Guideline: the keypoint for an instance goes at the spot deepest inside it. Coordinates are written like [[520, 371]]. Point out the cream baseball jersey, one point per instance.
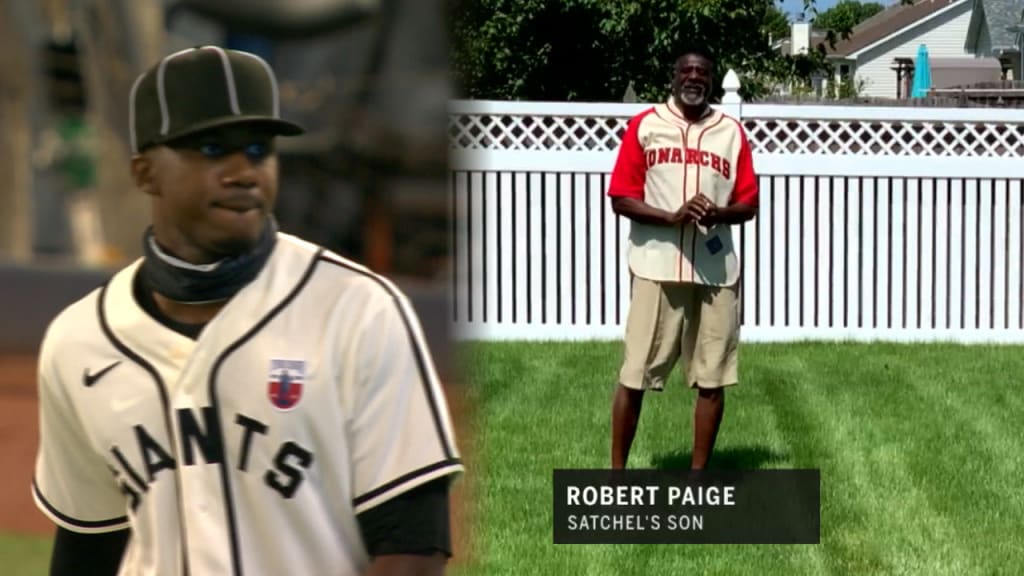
[[665, 160], [308, 399]]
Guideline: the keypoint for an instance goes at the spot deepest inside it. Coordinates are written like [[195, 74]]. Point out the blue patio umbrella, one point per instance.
[[922, 74]]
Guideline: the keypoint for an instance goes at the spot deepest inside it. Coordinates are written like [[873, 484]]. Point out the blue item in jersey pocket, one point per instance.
[[714, 245]]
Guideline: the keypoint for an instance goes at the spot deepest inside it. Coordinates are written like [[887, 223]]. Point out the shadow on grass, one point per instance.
[[744, 458]]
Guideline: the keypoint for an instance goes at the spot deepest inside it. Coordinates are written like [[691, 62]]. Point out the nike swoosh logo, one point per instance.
[[90, 379]]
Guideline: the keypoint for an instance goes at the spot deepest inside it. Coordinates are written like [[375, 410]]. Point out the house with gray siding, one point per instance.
[[968, 42], [991, 32]]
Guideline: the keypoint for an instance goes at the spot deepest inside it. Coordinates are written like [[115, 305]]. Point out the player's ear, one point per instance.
[[142, 174]]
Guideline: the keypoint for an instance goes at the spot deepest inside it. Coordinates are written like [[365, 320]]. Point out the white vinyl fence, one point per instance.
[[875, 223]]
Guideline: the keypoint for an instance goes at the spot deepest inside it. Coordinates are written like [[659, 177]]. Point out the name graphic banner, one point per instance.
[[687, 507]]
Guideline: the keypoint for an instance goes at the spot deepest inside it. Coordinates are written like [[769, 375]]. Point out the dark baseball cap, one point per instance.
[[201, 88]]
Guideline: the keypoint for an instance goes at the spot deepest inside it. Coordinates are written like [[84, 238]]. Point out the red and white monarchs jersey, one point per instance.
[[664, 160], [309, 398]]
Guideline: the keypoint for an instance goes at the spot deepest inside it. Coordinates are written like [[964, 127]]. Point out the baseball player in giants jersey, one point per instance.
[[238, 401], [683, 176]]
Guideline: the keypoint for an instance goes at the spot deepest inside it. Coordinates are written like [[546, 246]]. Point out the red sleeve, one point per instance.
[[630, 169], [745, 190]]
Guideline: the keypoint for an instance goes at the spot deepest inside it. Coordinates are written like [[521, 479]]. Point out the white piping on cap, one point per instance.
[[273, 81], [232, 94], [132, 131], [165, 119]]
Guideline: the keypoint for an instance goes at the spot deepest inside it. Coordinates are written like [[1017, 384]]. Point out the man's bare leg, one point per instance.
[[707, 416], [625, 416]]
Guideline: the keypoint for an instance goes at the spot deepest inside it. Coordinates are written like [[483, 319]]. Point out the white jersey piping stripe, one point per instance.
[[165, 119], [229, 74], [427, 369], [85, 525], [273, 81], [229, 507], [408, 481]]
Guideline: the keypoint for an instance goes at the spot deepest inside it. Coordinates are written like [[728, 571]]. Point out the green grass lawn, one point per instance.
[[919, 447], [24, 555]]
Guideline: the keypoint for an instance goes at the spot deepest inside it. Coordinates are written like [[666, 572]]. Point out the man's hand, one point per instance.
[[639, 211], [699, 209], [735, 213], [712, 213]]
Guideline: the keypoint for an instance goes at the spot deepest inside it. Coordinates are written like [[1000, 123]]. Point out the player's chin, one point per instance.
[[235, 234]]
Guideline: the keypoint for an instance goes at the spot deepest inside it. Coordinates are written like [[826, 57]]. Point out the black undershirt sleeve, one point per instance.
[[415, 522], [76, 554]]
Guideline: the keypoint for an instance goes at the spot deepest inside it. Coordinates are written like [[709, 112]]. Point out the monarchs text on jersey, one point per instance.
[[665, 160], [309, 398]]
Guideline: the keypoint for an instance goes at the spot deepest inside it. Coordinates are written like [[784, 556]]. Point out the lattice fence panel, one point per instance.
[[891, 138], [500, 132], [767, 135]]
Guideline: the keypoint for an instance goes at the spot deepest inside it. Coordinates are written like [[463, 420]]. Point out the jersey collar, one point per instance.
[[168, 350], [677, 115]]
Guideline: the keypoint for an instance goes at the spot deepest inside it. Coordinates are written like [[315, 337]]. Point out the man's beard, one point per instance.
[[692, 95]]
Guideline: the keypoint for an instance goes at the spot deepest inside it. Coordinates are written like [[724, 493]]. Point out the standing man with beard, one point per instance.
[[238, 401], [684, 175]]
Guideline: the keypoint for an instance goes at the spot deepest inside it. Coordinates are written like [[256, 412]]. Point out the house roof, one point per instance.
[[890, 21], [785, 45], [1000, 15]]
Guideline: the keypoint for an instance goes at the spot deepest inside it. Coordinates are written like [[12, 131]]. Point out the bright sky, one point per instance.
[[793, 7]]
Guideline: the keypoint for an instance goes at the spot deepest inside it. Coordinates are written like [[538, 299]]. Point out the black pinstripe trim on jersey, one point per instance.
[[403, 479], [135, 357], [74, 521], [236, 564], [421, 360]]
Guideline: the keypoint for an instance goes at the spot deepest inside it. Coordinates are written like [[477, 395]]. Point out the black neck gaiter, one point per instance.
[[198, 283]]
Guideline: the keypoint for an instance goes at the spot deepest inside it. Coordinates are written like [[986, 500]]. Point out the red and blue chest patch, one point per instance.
[[287, 378]]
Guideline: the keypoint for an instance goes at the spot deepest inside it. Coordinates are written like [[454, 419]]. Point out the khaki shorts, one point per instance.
[[669, 322]]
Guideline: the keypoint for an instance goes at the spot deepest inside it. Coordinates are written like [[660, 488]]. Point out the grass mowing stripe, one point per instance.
[[923, 539], [983, 482], [665, 426], [536, 436], [799, 392], [749, 439], [881, 421]]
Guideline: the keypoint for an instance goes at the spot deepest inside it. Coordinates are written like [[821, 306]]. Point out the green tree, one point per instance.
[[845, 15], [776, 24], [590, 50]]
